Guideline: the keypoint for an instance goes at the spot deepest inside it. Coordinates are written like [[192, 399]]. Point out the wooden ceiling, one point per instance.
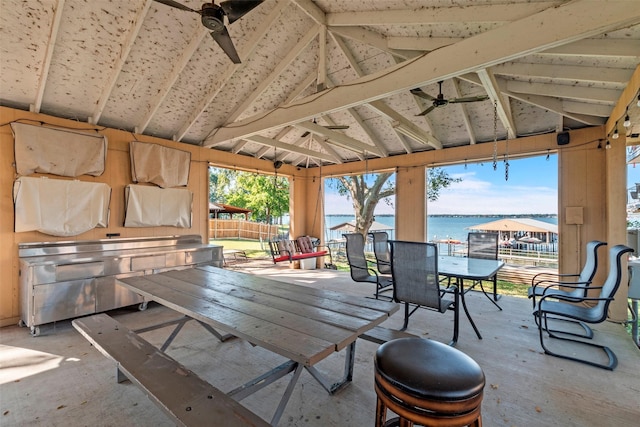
[[146, 67]]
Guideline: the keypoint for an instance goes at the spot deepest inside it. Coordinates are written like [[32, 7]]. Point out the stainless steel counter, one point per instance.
[[62, 280]]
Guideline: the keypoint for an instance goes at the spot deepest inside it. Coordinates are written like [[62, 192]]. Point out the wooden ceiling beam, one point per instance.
[[46, 63], [217, 86], [117, 67], [288, 147], [500, 102], [572, 73], [583, 93], [550, 28], [470, 13], [172, 78]]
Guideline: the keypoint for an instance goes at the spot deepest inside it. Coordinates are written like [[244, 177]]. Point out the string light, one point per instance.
[[639, 100], [608, 145], [615, 135], [627, 120]]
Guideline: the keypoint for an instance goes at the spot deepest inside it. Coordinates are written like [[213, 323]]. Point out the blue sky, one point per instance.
[[532, 188]]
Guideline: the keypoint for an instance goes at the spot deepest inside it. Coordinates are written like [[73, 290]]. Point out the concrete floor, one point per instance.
[[58, 379]]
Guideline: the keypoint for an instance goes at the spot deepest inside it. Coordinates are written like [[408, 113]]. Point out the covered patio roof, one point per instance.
[[220, 208], [327, 82]]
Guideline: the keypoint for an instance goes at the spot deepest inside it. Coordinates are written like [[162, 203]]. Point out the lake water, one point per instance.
[[438, 227]]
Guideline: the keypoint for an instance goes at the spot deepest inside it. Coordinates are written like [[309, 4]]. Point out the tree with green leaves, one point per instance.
[[366, 191], [267, 197]]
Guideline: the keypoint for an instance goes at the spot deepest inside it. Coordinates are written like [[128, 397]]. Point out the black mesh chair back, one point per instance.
[[483, 245], [414, 267], [381, 251], [358, 266], [360, 271]]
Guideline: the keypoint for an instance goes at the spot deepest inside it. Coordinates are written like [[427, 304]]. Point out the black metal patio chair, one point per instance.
[[484, 246], [545, 283], [414, 267], [381, 251], [359, 267], [558, 306]]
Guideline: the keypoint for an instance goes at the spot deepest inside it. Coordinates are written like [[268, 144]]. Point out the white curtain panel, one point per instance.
[[148, 206], [62, 152], [163, 166], [60, 207]]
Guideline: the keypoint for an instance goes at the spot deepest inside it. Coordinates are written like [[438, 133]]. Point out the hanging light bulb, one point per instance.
[[639, 100], [615, 135], [608, 145], [627, 120]]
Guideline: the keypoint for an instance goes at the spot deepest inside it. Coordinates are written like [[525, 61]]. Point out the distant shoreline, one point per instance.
[[471, 215]]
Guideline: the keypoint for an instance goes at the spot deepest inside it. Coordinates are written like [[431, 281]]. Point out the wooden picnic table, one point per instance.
[[303, 324]]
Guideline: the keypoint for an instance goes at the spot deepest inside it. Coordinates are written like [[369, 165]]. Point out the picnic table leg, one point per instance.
[[348, 372], [264, 380], [179, 325], [217, 334]]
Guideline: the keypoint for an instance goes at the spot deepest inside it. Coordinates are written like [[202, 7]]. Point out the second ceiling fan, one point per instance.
[[440, 101], [212, 17]]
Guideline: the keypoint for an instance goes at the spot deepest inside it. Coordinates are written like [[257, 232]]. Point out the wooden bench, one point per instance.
[[381, 335], [291, 250], [187, 399]]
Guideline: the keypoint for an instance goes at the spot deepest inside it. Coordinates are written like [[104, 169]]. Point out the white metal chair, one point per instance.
[[558, 306], [545, 283]]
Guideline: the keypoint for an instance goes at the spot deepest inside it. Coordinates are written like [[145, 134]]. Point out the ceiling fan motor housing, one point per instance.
[[213, 17]]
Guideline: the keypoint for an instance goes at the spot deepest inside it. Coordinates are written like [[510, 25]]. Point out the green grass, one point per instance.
[[253, 250], [250, 247]]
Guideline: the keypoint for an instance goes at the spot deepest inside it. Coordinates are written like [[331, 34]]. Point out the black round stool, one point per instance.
[[427, 383]]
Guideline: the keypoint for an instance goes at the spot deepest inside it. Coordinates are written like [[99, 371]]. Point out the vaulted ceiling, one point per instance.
[[367, 68]]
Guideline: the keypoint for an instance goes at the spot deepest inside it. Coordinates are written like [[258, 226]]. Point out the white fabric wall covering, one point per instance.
[[166, 167], [60, 207], [148, 206], [63, 152]]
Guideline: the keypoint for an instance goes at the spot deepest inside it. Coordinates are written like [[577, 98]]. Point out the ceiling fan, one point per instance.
[[440, 101], [212, 16]]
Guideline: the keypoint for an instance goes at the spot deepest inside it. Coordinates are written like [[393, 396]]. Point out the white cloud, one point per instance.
[[471, 196], [475, 196]]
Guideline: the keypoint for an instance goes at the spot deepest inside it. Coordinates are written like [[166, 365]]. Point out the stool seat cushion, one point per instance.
[[429, 369]]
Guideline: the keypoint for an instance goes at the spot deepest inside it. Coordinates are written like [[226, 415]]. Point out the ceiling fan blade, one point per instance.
[[236, 9], [337, 127], [224, 40], [470, 99], [177, 5], [305, 134], [427, 111], [419, 92]]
